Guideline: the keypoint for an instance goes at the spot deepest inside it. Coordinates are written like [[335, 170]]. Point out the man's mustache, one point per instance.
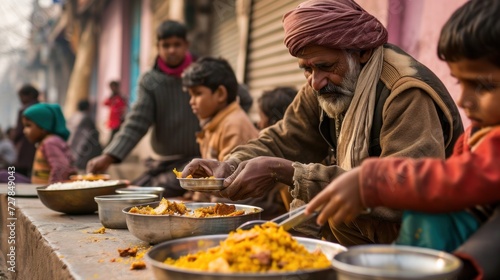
[[330, 89]]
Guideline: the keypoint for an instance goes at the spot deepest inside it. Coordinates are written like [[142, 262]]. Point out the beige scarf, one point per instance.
[[353, 143]]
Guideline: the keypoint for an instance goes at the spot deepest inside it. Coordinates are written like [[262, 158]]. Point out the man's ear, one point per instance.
[[221, 92], [365, 55]]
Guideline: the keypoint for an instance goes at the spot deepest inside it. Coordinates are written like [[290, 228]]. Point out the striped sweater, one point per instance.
[[162, 105]]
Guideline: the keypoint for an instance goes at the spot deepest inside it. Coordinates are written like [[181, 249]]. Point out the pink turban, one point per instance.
[[339, 24]]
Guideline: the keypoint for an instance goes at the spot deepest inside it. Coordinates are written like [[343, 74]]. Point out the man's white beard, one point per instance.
[[335, 100]]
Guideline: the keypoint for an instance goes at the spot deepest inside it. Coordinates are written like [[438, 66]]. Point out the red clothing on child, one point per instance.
[[117, 106], [470, 176]]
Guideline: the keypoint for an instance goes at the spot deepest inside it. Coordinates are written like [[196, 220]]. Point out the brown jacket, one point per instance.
[[227, 129]]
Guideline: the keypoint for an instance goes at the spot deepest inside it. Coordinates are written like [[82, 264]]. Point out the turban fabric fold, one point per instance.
[[339, 24], [49, 117]]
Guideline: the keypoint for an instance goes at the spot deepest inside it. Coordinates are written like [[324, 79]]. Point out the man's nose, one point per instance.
[[317, 80]]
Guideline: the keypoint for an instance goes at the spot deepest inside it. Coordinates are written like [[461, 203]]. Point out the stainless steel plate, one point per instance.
[[202, 184]]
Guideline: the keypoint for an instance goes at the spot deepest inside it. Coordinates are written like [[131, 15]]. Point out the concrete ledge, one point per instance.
[[51, 245]]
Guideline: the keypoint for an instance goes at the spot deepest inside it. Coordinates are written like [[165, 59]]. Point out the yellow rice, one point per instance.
[[266, 248]]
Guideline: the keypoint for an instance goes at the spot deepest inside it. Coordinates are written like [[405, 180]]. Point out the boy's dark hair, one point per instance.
[[83, 105], [212, 73], [273, 103], [170, 28], [29, 90], [114, 84], [472, 32]]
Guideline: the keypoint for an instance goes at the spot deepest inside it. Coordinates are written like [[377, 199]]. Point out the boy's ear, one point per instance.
[[221, 92]]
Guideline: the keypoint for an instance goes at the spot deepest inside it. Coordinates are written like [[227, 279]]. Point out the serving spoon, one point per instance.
[[287, 220]]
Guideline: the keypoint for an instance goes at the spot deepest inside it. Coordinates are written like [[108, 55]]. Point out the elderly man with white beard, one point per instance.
[[363, 98]]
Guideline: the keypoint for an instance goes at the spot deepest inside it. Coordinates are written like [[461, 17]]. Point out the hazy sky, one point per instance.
[[14, 28], [14, 31]]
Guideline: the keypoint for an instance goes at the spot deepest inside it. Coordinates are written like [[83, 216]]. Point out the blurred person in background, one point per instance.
[[84, 136], [117, 109], [28, 95], [10, 132], [272, 105], [7, 151]]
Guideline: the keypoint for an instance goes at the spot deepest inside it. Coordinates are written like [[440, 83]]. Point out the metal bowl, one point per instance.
[[110, 207], [184, 246], [158, 228], [202, 184], [395, 262], [143, 190], [77, 201]]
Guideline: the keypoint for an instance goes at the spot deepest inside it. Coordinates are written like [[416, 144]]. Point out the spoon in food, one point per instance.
[[287, 220]]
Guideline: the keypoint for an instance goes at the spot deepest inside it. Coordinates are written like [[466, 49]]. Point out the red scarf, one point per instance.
[[177, 71]]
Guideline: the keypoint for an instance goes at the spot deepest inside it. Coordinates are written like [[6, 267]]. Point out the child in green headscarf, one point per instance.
[[44, 125]]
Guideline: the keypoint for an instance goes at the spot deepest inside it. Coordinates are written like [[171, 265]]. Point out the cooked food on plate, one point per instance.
[[167, 207], [178, 174], [264, 248]]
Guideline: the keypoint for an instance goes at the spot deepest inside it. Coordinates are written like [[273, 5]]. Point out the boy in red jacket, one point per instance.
[[443, 196]]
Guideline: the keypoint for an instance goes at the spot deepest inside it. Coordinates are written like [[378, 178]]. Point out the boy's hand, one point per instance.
[[341, 199]]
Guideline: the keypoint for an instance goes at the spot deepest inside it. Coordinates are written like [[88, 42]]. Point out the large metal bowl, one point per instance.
[[77, 201], [395, 262], [184, 246], [158, 228]]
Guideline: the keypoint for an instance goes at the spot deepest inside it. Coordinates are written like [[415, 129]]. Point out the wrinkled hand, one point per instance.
[[255, 177], [100, 164], [341, 199], [199, 168]]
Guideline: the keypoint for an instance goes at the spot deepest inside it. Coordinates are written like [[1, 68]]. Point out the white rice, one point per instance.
[[81, 184]]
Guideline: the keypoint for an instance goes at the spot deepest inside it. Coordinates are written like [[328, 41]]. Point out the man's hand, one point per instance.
[[254, 177], [100, 164], [341, 199], [200, 168]]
